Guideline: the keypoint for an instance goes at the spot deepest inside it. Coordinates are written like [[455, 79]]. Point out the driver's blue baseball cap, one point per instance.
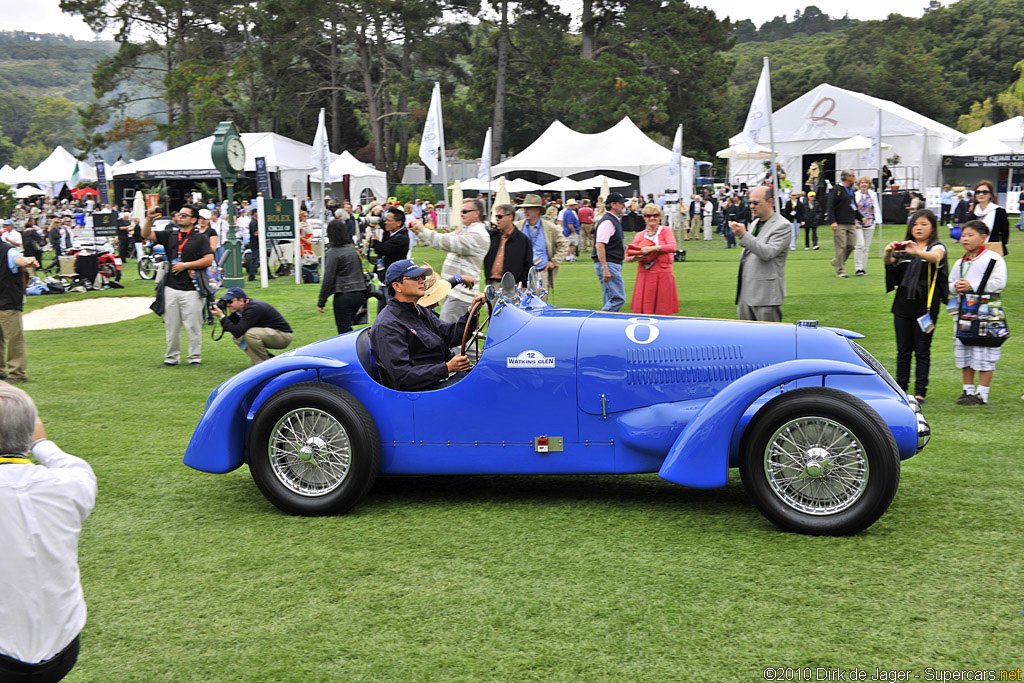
[[404, 268]]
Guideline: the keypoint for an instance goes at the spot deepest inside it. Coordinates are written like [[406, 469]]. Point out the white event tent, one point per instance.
[[54, 171], [827, 115], [985, 153], [288, 158], [7, 175], [562, 151], [361, 177]]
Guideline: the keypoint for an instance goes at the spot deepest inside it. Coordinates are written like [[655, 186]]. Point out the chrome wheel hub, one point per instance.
[[816, 466], [310, 452]]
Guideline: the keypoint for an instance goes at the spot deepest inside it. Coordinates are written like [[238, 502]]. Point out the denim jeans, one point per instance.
[[614, 290]]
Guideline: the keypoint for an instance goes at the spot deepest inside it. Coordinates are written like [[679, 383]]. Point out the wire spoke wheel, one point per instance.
[[819, 461], [313, 449], [816, 465], [310, 452]]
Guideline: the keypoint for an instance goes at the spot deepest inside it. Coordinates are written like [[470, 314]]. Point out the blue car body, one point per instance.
[[624, 394]]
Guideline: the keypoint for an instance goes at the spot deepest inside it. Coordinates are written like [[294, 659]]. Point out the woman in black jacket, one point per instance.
[[994, 216], [917, 269], [343, 277]]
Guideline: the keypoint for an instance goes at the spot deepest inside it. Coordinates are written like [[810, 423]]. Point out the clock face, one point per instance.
[[236, 154]]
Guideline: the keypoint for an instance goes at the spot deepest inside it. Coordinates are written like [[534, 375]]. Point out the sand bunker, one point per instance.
[[87, 312]]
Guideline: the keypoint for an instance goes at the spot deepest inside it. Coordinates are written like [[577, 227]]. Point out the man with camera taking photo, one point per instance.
[[185, 287], [255, 326]]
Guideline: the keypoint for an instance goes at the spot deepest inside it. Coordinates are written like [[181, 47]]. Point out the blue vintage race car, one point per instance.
[[815, 424]]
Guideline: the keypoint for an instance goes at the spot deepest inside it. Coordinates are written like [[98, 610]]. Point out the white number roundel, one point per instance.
[[649, 323]]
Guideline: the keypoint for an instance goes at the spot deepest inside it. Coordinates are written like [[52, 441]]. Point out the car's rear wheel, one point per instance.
[[820, 461], [313, 450]]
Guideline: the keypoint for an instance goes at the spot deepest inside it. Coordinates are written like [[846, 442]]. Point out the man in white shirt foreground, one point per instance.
[[42, 508]]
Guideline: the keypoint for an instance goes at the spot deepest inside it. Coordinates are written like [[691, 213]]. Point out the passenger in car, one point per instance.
[[411, 344]]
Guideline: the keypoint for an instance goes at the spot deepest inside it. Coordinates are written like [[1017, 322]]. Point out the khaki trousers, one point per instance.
[[586, 238], [844, 239], [258, 339], [183, 308], [13, 361]]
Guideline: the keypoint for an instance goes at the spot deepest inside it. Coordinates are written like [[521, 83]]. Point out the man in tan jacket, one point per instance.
[[549, 244]]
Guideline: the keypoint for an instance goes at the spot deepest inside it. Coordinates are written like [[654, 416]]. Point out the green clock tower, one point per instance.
[[228, 154]]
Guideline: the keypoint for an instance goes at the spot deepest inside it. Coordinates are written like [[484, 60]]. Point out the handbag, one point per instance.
[[981, 320]]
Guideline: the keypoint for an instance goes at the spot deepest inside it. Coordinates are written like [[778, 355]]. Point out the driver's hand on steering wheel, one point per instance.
[[479, 298], [458, 364]]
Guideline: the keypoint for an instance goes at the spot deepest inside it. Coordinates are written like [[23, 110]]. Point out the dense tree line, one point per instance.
[[180, 66]]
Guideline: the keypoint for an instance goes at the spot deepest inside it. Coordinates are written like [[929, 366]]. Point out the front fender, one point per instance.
[[218, 443], [700, 455]]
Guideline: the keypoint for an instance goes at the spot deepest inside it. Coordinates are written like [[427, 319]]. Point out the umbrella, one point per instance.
[[470, 184], [521, 185], [79, 193], [857, 143], [455, 218], [139, 208], [566, 184], [501, 197], [27, 191], [604, 182], [742, 152]]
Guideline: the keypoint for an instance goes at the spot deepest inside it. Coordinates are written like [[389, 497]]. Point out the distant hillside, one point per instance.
[[33, 65]]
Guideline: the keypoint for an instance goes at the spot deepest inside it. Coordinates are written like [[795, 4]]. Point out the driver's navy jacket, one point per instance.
[[412, 344]]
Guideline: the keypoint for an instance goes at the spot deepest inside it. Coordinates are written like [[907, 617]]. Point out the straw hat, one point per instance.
[[437, 288], [532, 201]]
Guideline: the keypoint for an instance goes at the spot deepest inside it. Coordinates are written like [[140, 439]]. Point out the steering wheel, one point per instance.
[[471, 336]]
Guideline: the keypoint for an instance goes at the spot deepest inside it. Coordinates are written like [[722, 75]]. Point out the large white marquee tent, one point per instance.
[[290, 159], [827, 115], [562, 151]]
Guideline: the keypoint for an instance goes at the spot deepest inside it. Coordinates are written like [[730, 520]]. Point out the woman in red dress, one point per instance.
[[653, 249]]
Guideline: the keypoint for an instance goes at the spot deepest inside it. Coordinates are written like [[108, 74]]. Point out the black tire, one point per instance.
[[110, 271], [826, 490], [310, 480], [147, 269]]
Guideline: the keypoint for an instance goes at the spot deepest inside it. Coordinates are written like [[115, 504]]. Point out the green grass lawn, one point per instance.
[[195, 577]]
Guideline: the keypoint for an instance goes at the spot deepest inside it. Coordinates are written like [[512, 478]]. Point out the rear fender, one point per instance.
[[218, 443], [700, 455]]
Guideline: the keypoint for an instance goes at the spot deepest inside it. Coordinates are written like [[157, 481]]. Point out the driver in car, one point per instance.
[[411, 344]]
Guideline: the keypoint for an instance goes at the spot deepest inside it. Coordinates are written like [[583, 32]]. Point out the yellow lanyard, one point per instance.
[[15, 461], [932, 277]]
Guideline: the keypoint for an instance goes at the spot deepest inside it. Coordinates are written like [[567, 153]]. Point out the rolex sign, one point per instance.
[[279, 218]]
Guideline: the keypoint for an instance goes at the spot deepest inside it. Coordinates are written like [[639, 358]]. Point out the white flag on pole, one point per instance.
[[677, 154], [875, 154], [430, 144], [320, 158], [760, 110], [484, 173]]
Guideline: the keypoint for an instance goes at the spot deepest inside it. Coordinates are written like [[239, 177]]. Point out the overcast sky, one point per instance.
[[44, 16]]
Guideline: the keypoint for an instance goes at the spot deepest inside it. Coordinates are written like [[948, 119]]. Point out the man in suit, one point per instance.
[[761, 284], [549, 244]]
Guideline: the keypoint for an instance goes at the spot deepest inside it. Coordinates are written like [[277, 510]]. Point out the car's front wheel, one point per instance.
[[313, 449], [820, 461]]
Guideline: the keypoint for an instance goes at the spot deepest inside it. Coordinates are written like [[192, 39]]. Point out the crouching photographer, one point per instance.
[[255, 325]]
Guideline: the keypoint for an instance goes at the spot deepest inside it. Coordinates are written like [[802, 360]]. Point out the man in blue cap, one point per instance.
[[412, 345], [254, 325]]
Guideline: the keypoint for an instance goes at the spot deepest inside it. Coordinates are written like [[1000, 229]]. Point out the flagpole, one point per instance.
[[771, 136], [878, 164], [878, 169], [444, 160]]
